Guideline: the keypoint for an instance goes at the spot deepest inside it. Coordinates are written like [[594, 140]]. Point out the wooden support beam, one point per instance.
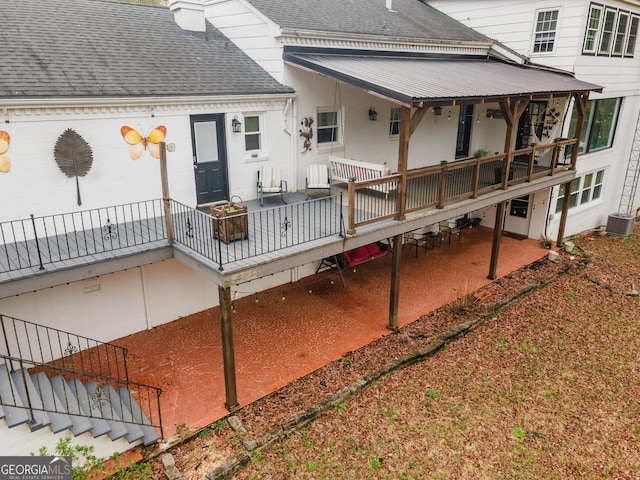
[[166, 199], [403, 161], [394, 296], [497, 235], [417, 118], [512, 111], [228, 355], [581, 100], [565, 212]]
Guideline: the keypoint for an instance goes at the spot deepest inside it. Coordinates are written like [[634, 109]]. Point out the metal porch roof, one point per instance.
[[410, 80]]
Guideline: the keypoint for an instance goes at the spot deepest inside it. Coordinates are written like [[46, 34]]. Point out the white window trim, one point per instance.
[[338, 142], [604, 10], [535, 32], [394, 136], [596, 39], [592, 202], [261, 154]]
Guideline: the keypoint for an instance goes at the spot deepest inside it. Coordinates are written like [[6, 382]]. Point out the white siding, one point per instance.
[[512, 22], [250, 31]]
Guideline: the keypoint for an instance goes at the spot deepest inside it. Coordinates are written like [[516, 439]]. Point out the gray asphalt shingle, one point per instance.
[[410, 19], [102, 48]]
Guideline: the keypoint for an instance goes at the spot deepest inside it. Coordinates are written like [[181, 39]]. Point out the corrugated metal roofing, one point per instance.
[[414, 79], [98, 48]]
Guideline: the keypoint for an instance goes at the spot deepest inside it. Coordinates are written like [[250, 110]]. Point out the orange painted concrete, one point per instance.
[[278, 340]]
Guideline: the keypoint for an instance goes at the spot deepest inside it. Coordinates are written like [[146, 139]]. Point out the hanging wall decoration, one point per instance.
[[138, 144], [5, 163], [306, 133], [73, 155]]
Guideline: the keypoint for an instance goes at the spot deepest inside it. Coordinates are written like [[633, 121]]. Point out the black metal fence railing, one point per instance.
[[39, 358], [39, 241], [233, 233]]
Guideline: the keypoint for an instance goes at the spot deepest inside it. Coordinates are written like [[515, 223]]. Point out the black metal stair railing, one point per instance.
[[29, 350]]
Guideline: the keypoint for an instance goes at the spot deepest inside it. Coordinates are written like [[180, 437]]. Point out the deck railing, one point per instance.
[[227, 237], [31, 350], [449, 182], [39, 241]]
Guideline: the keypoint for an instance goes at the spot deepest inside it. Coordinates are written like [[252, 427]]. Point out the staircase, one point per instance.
[[61, 381]]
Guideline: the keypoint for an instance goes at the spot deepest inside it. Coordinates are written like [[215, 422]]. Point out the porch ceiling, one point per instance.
[[411, 80]]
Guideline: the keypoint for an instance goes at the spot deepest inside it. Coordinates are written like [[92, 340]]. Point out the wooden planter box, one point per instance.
[[233, 222]]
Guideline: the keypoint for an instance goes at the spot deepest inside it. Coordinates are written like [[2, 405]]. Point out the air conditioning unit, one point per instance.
[[620, 224]]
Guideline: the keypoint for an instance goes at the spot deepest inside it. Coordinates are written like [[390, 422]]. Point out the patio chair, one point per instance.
[[447, 230], [318, 177], [270, 182], [415, 239]]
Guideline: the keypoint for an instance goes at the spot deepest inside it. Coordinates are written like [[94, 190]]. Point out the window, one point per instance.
[[633, 36], [610, 32], [327, 127], [599, 125], [621, 33], [606, 36], [593, 27], [394, 123], [252, 135], [584, 190], [545, 35]]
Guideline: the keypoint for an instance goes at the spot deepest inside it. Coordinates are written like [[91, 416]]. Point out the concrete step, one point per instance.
[[12, 405], [134, 432], [89, 408], [30, 396], [101, 402], [150, 433], [80, 424], [60, 421]]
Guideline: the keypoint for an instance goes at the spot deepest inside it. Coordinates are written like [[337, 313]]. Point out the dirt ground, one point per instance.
[[545, 387]]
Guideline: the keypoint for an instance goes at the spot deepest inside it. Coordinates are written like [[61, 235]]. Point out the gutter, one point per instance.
[[137, 101]]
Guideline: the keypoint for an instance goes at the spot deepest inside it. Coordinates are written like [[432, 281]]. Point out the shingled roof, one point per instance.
[[408, 19], [101, 48]]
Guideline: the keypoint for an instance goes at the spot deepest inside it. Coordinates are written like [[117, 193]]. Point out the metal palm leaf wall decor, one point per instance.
[[74, 156]]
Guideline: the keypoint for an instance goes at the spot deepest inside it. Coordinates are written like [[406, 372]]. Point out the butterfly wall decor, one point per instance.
[[5, 163], [138, 143]]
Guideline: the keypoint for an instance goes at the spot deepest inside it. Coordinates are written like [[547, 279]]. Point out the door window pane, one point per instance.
[[206, 141]]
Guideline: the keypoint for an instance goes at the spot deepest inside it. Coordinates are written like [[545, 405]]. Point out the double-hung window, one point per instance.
[[394, 122], [584, 190], [328, 128], [545, 34], [610, 32], [252, 133]]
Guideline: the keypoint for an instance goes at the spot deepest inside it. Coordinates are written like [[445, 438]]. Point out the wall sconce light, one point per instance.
[[437, 111], [373, 115], [236, 125], [449, 117]]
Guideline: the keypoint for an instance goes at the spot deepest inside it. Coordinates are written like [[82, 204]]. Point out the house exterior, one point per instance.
[[169, 111], [596, 41]]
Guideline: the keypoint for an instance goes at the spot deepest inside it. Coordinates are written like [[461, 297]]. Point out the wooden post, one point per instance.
[[403, 160], [581, 105], [565, 211], [512, 111], [497, 235], [351, 208], [166, 199], [394, 297], [228, 355]]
